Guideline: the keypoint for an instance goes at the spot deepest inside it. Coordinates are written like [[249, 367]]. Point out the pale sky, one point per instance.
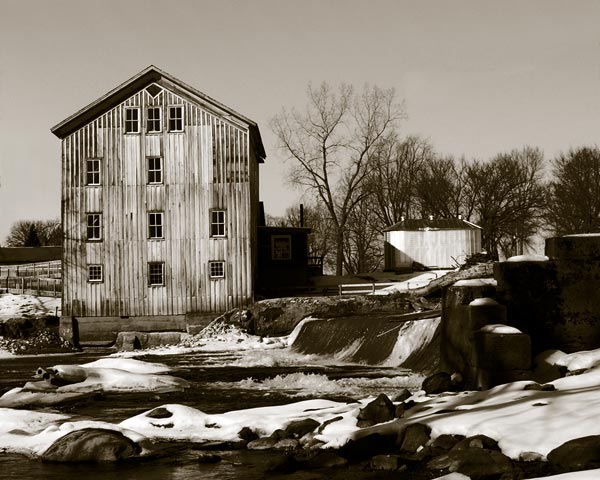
[[478, 77]]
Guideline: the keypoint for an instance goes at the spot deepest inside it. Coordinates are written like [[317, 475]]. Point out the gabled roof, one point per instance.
[[140, 81], [415, 224]]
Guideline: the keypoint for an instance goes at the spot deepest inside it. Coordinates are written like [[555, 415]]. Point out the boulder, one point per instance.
[[286, 444], [299, 428], [92, 445], [477, 463], [379, 410], [414, 438], [437, 383], [445, 442], [159, 412], [326, 459], [368, 446], [476, 441], [388, 463], [263, 443], [402, 395], [578, 454], [247, 434]]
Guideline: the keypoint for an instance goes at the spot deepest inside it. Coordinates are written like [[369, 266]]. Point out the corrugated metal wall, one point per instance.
[[432, 248], [205, 167]]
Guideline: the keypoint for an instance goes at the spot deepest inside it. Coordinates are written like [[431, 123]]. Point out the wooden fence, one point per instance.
[[42, 279]]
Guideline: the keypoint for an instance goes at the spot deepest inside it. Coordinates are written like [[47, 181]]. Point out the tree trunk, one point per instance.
[[339, 254]]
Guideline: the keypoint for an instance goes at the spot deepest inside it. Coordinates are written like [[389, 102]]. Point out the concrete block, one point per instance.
[[485, 310], [574, 247], [499, 351], [488, 378]]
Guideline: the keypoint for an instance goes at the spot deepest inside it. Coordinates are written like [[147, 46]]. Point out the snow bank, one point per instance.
[[500, 329], [14, 306], [67, 382], [528, 258]]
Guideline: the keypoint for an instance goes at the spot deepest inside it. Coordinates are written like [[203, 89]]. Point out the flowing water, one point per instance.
[[221, 381]]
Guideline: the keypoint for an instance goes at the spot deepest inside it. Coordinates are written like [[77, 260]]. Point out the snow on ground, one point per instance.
[[412, 283], [520, 420], [16, 306], [104, 375]]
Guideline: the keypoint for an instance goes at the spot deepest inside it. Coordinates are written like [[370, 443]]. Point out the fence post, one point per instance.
[[340, 289], [373, 287], [38, 289], [22, 285]]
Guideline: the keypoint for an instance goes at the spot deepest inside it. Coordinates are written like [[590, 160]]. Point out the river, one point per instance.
[[221, 381]]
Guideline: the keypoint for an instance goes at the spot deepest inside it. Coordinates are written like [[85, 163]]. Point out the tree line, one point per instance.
[[361, 176], [34, 233]]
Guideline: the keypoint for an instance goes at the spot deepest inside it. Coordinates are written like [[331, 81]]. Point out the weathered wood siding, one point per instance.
[[207, 166], [432, 248]]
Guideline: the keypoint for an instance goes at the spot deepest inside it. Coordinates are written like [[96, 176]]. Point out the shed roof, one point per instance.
[[417, 224], [136, 83], [14, 255]]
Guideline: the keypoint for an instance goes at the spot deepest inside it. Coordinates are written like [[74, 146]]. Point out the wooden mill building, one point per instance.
[[430, 243], [159, 208]]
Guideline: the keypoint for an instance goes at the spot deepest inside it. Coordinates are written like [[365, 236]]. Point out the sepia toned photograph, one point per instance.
[[299, 240]]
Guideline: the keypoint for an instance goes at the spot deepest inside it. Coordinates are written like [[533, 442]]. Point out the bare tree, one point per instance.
[[573, 200], [34, 233], [363, 243], [442, 188], [398, 167], [331, 143], [508, 195]]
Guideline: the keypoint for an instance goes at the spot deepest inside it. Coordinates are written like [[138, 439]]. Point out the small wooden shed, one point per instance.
[[431, 243]]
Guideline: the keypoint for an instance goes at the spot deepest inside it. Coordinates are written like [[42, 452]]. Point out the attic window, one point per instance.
[[132, 120], [154, 90], [176, 118], [153, 120]]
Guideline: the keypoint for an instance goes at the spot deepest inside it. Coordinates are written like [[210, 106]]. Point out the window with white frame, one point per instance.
[[95, 274], [217, 269], [281, 247], [155, 173], [132, 120], [176, 118], [94, 226], [92, 171], [153, 120], [156, 273], [217, 223], [155, 224]]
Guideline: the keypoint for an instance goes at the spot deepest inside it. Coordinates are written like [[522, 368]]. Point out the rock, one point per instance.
[[365, 423], [547, 387], [91, 445], [285, 464], [477, 463], [402, 395], [445, 442], [247, 434], [368, 446], [437, 383], [286, 444], [278, 435], [531, 457], [379, 410], [329, 422], [476, 441], [326, 459], [578, 454], [388, 463], [299, 428], [208, 458], [264, 443], [160, 412], [414, 438]]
